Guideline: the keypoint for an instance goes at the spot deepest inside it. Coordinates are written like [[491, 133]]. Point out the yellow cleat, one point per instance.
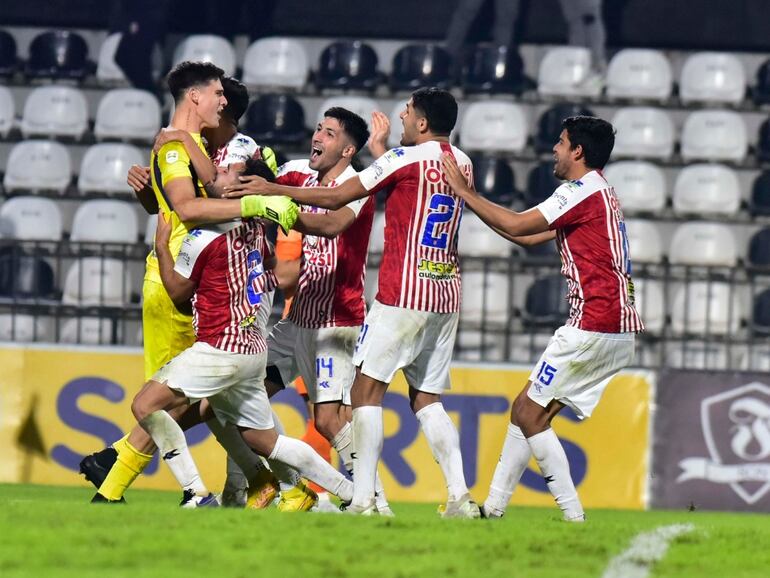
[[299, 499], [262, 490]]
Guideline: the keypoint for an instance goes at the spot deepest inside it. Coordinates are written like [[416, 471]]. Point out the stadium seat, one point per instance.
[[549, 125], [55, 111], [30, 218], [105, 221], [712, 77], [643, 132], [544, 252], [479, 346], [650, 304], [22, 328], [759, 204], [417, 65], [59, 54], [707, 189], [277, 62], [25, 277], [149, 230], [105, 166], [363, 106], [86, 331], [371, 285], [9, 58], [714, 135], [640, 185], [541, 183], [759, 249], [644, 242], [478, 240], [703, 244], [493, 178], [97, 281], [760, 315], [206, 48], [107, 70], [494, 70], [485, 298], [763, 142], [127, 114], [396, 126], [566, 71], [348, 65], [700, 355], [706, 308], [37, 165], [761, 90], [639, 74], [7, 112], [546, 302], [494, 126], [277, 118], [377, 237]]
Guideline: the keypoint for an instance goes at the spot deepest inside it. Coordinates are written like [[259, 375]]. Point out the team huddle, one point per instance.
[[210, 280]]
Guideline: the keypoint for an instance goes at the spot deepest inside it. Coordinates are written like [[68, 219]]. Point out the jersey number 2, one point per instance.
[[442, 208]]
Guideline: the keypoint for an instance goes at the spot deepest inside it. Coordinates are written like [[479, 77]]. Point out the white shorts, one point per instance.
[[234, 383], [419, 342], [576, 367], [323, 357]]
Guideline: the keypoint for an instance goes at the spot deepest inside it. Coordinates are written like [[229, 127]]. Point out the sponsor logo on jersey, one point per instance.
[[172, 156], [436, 270]]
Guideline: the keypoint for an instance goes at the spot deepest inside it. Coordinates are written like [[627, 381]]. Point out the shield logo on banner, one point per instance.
[[736, 427]]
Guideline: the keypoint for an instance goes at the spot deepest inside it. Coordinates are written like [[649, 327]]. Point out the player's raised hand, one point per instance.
[[167, 135], [163, 230], [281, 210], [138, 177], [248, 185], [454, 176], [380, 131]]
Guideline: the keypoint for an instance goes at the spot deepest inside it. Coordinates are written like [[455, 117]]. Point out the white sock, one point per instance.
[[513, 461], [288, 478], [444, 442], [306, 460], [368, 436], [241, 459], [172, 448], [343, 445], [554, 466]]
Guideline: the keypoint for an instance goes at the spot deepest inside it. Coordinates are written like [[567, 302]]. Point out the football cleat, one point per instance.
[[99, 499], [464, 507], [299, 499], [191, 500], [96, 466], [356, 510], [262, 490], [490, 514], [384, 511], [325, 505]]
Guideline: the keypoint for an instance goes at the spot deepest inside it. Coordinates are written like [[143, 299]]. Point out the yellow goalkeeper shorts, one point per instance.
[[167, 331]]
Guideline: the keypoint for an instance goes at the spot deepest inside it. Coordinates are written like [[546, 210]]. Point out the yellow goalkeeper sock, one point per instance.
[[120, 445], [129, 465]]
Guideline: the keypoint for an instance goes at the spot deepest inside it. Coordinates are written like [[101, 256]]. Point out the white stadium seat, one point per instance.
[[478, 346], [566, 71], [714, 135], [703, 244], [636, 73], [494, 126], [640, 186], [105, 166], [705, 308], [478, 240], [707, 189], [37, 165], [645, 244], [697, 355], [149, 230], [107, 71], [371, 285], [712, 77], [86, 331], [97, 281], [55, 110], [363, 106], [207, 48], [30, 218], [105, 221], [276, 63], [127, 113], [397, 127], [485, 297], [21, 328], [650, 304], [377, 237], [7, 111], [643, 132]]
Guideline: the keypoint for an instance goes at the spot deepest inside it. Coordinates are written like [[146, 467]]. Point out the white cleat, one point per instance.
[[325, 505], [384, 511], [577, 519], [490, 513], [355, 509], [464, 507]]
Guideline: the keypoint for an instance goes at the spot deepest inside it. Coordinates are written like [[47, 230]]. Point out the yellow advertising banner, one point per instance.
[[61, 404]]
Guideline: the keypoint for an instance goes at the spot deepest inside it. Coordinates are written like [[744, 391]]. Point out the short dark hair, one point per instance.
[[259, 168], [237, 98], [439, 108], [187, 74], [353, 125], [595, 135]]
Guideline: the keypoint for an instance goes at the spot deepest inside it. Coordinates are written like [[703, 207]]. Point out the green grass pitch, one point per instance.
[[51, 531]]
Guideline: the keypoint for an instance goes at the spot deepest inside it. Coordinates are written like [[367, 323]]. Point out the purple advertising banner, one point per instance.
[[711, 445]]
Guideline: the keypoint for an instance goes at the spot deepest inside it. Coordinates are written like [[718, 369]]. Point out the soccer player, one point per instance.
[[224, 275], [585, 217], [413, 322]]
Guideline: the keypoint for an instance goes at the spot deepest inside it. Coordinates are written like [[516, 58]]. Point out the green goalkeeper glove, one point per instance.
[[281, 210]]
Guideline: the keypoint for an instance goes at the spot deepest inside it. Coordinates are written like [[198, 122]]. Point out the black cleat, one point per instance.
[[95, 467], [99, 499]]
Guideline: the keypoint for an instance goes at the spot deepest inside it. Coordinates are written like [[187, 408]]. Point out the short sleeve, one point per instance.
[[384, 171], [240, 149], [565, 206], [174, 162], [192, 254]]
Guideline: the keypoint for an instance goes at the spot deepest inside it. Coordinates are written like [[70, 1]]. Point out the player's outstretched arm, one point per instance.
[[327, 225], [325, 197], [179, 289], [202, 164], [504, 221]]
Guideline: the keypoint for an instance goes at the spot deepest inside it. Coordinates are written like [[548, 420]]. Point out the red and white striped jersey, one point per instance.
[[592, 240], [419, 269], [228, 271], [330, 291]]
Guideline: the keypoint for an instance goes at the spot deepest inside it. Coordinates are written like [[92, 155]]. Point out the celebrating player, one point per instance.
[[585, 217]]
